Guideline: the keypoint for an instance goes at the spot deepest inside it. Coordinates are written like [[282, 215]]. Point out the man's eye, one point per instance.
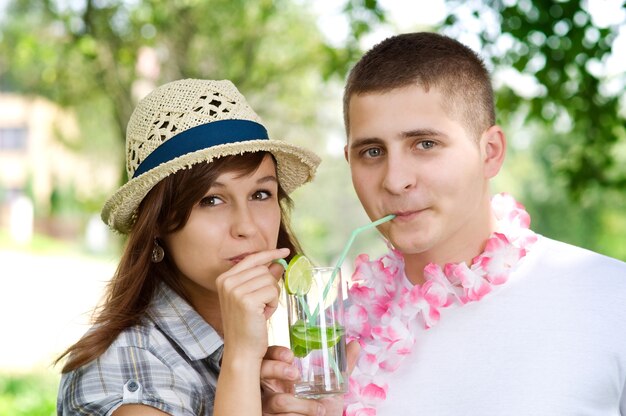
[[426, 144], [210, 201], [373, 152]]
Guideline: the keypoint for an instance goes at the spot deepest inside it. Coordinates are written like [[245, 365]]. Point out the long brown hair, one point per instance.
[[165, 209]]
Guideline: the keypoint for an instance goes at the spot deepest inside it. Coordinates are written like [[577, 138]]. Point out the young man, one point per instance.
[[470, 312]]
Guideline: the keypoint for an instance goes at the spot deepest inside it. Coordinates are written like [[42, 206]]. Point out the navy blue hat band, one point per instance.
[[201, 137]]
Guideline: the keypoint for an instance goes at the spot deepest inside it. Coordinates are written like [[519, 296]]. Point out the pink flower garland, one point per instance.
[[383, 312]]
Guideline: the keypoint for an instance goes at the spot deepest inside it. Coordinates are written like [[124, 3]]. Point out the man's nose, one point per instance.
[[400, 174]]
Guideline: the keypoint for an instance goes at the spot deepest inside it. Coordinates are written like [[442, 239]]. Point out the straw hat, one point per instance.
[[191, 121]]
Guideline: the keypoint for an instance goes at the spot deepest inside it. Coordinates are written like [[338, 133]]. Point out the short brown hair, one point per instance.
[[428, 60]]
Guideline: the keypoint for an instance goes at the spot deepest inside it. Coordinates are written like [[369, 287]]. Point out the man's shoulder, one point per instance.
[[558, 255], [567, 249]]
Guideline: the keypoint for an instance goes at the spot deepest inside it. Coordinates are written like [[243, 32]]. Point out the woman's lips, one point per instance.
[[238, 258]]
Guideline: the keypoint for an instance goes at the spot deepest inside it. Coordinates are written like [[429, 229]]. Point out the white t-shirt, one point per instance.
[[551, 341]]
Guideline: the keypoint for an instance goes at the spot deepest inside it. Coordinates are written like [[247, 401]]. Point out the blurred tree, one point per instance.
[[565, 119], [363, 16], [566, 123], [114, 51], [558, 46], [100, 56]]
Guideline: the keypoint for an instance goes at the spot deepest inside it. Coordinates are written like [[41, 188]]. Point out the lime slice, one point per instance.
[[305, 339], [298, 277]]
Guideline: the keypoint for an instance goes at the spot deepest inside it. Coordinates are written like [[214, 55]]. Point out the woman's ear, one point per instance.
[[493, 150]]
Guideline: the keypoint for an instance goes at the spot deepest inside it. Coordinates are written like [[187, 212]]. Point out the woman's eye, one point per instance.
[[261, 195], [210, 201]]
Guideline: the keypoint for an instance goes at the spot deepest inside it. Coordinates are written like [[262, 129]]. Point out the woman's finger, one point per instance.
[[228, 282], [276, 270], [257, 259], [279, 371], [279, 353], [248, 281], [352, 353], [287, 404]]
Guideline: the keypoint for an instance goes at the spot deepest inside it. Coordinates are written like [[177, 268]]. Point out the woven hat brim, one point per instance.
[[295, 166]]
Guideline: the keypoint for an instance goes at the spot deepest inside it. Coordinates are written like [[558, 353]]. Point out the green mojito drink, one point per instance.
[[304, 338], [316, 331]]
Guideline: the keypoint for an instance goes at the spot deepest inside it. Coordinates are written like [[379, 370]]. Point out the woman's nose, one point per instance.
[[243, 223]]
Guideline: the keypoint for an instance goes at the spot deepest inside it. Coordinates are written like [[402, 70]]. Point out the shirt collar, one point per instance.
[[179, 321]]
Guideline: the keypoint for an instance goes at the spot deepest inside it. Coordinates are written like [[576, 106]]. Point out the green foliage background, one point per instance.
[[567, 153], [28, 395]]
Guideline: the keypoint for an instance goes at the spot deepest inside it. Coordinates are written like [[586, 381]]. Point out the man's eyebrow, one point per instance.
[[411, 134], [365, 142]]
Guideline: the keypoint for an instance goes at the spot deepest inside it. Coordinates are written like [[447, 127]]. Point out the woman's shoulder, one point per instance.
[[142, 344], [133, 343], [140, 366], [147, 341], [143, 335]]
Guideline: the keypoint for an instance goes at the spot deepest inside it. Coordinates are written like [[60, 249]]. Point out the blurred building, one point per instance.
[[40, 160]]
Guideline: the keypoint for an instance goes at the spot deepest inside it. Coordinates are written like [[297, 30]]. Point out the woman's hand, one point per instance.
[[249, 294], [278, 376]]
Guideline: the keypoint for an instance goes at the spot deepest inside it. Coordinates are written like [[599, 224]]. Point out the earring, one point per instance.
[[157, 252]]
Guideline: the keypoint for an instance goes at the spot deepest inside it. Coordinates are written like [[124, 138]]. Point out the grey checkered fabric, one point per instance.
[[170, 362]]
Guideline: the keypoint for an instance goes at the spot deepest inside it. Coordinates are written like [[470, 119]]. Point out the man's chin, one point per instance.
[[409, 247]]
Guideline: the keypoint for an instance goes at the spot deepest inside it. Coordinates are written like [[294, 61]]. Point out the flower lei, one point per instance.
[[384, 311]]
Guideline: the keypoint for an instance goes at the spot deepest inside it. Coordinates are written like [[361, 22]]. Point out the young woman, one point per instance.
[[182, 329]]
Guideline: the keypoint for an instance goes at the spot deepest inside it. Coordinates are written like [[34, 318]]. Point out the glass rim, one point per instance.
[[323, 268]]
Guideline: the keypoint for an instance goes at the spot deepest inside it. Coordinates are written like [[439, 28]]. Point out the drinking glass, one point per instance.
[[317, 335]]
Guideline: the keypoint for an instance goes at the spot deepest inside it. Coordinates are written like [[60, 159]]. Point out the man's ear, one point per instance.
[[345, 153], [493, 149]]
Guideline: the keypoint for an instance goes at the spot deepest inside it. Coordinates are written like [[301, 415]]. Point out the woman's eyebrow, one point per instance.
[[264, 179], [268, 178]]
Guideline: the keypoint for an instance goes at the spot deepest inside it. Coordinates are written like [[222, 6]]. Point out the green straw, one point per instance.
[[345, 253], [282, 262]]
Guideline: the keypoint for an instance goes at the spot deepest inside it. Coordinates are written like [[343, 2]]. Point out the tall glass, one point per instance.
[[317, 335]]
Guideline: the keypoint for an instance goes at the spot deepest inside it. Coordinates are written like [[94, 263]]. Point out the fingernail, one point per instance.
[[321, 411]]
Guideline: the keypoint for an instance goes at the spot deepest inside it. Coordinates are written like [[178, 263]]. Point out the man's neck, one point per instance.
[[456, 250]]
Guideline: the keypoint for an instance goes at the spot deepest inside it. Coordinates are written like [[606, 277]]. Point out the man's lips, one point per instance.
[[402, 216]]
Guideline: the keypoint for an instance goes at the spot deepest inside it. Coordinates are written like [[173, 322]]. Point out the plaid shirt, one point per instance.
[[170, 362]]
